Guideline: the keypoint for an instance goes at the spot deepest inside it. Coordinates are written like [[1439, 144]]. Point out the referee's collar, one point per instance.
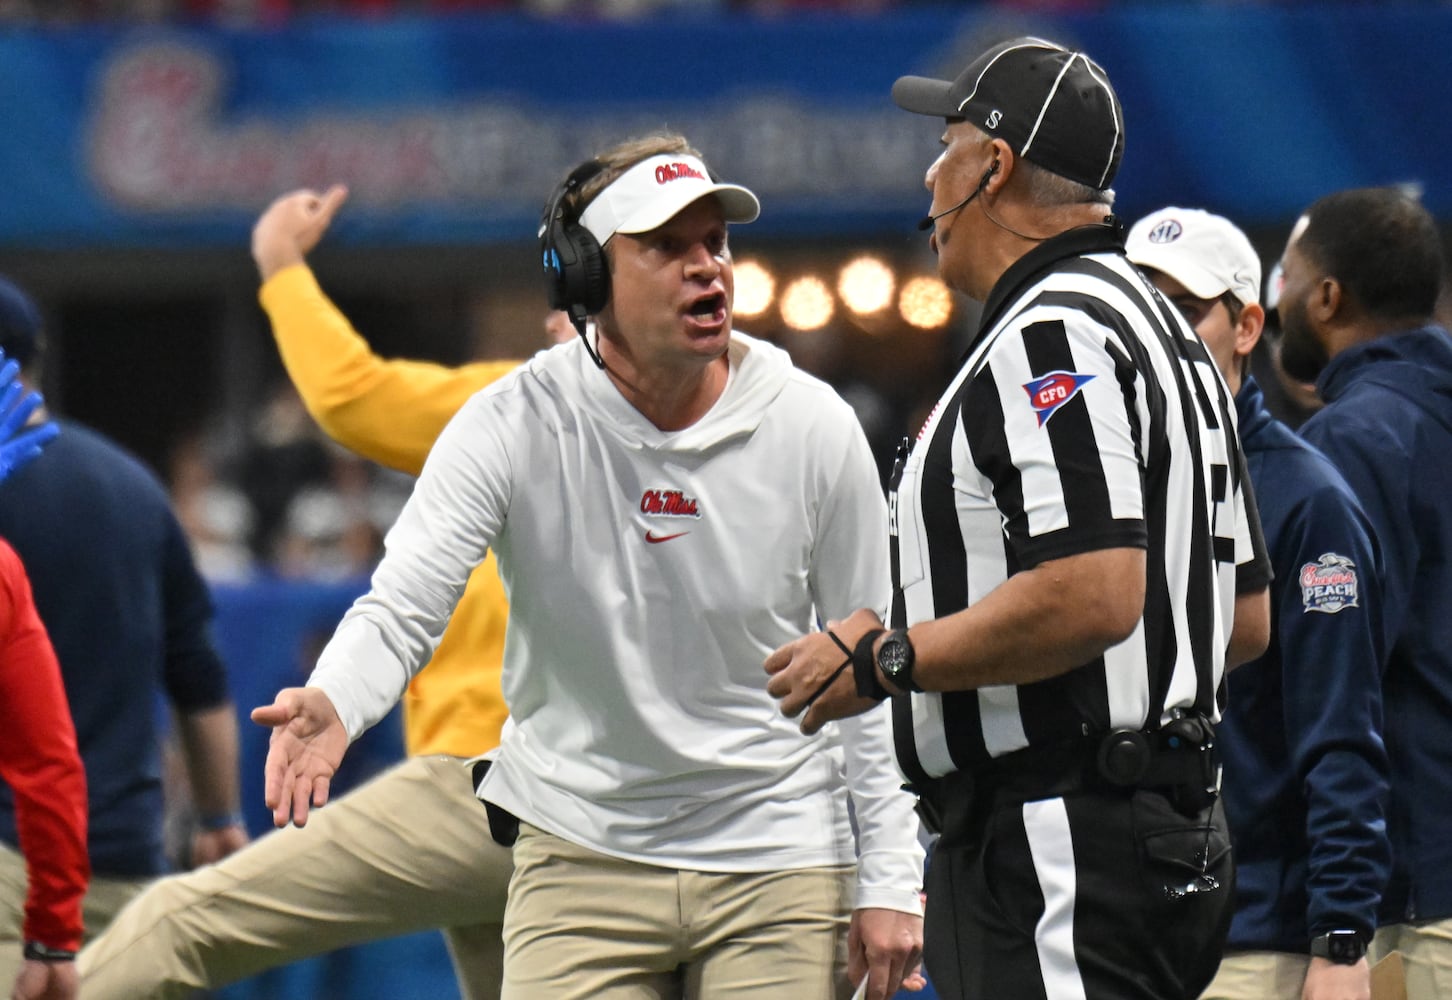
[[1107, 236]]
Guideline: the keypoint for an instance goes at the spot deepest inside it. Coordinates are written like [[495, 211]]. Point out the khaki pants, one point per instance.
[[1426, 956], [408, 851], [103, 901], [584, 926], [1259, 975]]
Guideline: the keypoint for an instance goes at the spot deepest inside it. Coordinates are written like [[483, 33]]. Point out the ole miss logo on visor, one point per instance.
[[667, 172], [1052, 391]]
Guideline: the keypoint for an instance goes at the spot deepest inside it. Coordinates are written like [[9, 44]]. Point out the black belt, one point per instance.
[[1177, 760]]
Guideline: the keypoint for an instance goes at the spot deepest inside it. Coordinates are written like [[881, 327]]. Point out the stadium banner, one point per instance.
[[453, 129]]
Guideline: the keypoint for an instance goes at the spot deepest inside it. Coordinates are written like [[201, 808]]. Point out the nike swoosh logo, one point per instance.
[[654, 539]]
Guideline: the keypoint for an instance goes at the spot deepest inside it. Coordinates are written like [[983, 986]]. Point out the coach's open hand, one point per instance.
[[308, 740], [804, 667]]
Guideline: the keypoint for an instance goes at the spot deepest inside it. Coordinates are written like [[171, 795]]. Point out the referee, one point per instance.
[[1076, 559]]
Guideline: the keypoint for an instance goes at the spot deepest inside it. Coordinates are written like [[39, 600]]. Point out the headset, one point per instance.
[[926, 222], [576, 277]]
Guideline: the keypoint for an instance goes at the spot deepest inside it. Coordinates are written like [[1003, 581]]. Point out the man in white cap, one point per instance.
[[668, 503], [1305, 769]]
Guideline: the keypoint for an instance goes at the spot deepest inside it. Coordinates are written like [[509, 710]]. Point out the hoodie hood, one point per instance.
[[1416, 364], [759, 372]]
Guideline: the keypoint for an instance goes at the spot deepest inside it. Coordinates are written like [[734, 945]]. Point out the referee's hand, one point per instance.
[[813, 678]]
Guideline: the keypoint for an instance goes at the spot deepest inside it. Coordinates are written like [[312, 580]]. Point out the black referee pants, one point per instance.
[[1093, 896]]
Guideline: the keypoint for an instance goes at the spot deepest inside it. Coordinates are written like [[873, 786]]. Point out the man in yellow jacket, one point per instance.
[[411, 849]]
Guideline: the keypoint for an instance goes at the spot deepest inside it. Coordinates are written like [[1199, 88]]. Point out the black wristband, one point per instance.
[[37, 952], [864, 668]]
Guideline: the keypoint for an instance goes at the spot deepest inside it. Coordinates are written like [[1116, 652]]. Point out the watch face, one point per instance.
[[1347, 949], [1343, 947], [894, 656]]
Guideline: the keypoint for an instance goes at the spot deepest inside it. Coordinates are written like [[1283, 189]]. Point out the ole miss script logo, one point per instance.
[[668, 503], [667, 172], [1052, 391]]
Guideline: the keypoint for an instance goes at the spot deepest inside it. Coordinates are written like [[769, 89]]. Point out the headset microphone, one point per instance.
[[926, 222]]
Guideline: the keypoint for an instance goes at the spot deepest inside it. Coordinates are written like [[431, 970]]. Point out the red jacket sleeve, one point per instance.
[[40, 762]]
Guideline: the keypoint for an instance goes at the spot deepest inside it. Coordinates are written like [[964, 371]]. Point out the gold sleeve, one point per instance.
[[388, 411]]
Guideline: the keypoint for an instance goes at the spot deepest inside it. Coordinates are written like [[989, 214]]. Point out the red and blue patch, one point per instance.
[[1329, 584], [1048, 393]]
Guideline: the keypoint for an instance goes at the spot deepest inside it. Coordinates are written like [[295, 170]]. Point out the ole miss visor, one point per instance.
[[655, 190]]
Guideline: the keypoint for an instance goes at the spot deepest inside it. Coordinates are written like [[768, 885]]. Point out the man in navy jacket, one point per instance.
[[130, 619], [1305, 769], [1363, 270]]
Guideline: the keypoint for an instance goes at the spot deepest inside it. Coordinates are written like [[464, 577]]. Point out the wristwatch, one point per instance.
[[1341, 946], [36, 952], [895, 660]]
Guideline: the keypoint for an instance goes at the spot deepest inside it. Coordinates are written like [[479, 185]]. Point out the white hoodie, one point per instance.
[[650, 573]]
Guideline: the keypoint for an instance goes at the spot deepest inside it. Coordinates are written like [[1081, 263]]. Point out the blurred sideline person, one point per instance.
[[130, 620], [410, 850], [1076, 559], [38, 756], [1305, 777], [1363, 270], [667, 504]]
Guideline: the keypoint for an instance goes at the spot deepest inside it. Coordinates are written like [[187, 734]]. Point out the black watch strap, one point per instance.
[[37, 952], [1344, 947], [864, 667]]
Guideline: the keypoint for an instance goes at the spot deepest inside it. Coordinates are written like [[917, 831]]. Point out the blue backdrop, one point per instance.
[[453, 128]]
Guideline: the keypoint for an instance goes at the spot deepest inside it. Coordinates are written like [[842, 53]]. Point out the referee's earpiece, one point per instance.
[[576, 278]]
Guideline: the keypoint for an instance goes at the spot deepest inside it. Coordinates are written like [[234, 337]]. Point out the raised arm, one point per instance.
[[388, 411]]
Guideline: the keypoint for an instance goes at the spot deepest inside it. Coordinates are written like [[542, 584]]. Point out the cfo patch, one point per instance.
[[1052, 391], [1329, 584]]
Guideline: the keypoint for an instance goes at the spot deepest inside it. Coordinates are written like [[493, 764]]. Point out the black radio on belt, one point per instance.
[[1178, 759], [1124, 758]]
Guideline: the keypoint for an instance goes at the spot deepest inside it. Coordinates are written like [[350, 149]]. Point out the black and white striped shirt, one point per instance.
[[1086, 416]]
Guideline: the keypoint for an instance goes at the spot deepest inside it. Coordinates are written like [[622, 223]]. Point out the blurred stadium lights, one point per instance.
[[806, 303], [865, 288], [755, 288], [925, 302], [866, 284]]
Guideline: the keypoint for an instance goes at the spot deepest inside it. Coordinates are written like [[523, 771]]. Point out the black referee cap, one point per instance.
[[1054, 106]]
